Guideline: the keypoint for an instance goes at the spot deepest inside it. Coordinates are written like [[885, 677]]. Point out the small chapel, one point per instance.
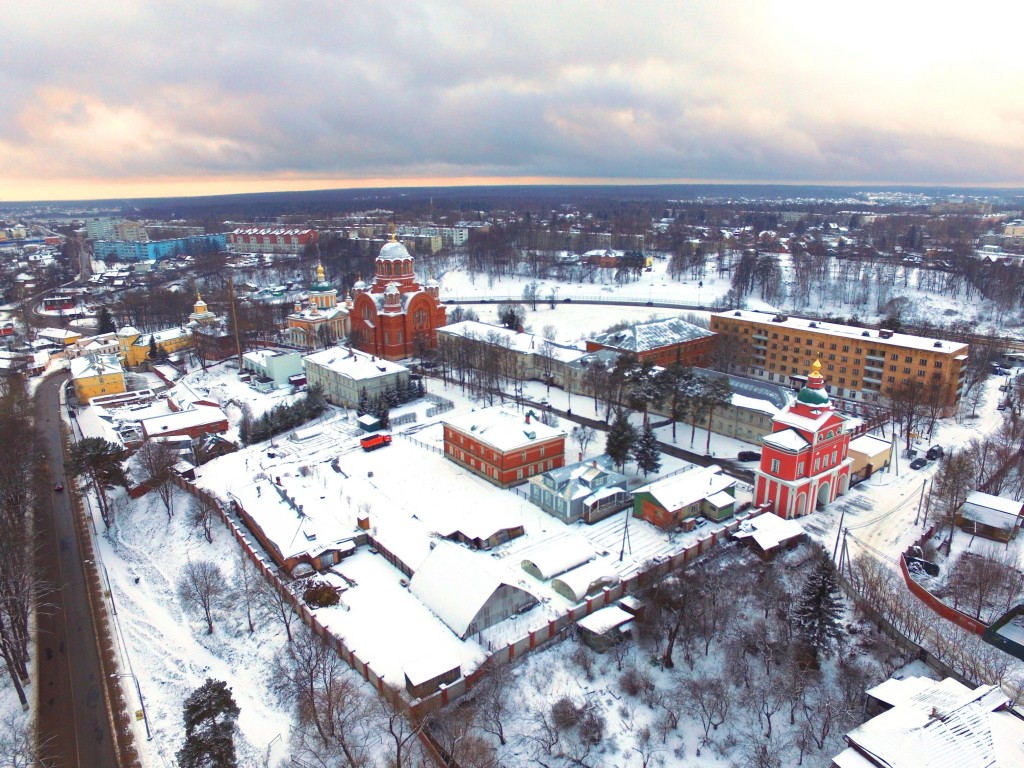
[[395, 317], [804, 461]]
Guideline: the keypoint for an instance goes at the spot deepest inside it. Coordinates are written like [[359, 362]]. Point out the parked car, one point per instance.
[[59, 487], [919, 463], [748, 456], [935, 452]]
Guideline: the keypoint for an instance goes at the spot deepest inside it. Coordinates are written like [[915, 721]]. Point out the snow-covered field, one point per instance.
[[848, 289]]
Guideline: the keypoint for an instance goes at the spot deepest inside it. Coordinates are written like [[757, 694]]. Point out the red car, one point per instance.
[[58, 487]]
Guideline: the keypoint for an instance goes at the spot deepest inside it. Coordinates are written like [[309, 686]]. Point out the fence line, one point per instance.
[[113, 691], [554, 630]]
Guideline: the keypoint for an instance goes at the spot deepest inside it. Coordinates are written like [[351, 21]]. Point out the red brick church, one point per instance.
[[804, 462], [395, 317]]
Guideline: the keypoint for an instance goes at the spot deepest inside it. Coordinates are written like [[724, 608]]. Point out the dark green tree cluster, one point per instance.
[[101, 463], [819, 608], [281, 418], [380, 405], [210, 714]]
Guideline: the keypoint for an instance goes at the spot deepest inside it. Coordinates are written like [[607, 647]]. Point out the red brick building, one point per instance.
[[663, 342], [395, 317], [271, 240], [504, 448], [804, 461]]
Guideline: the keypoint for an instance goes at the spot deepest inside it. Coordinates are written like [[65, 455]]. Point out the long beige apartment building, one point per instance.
[[858, 363]]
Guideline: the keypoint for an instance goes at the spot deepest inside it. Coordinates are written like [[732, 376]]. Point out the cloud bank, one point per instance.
[[222, 95]]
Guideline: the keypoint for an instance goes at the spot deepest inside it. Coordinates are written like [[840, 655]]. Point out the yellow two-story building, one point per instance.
[[134, 345], [95, 375]]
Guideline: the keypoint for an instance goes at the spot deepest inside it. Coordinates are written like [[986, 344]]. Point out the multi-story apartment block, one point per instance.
[[859, 363], [271, 240]]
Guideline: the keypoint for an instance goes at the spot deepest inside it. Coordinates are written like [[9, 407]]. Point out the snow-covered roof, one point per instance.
[[167, 334], [806, 423], [689, 487], [555, 557], [430, 665], [502, 429], [993, 511], [751, 393], [656, 334], [58, 334], [455, 584], [946, 725], [769, 530], [353, 364], [197, 416], [998, 503], [867, 335], [292, 528], [788, 439], [600, 621], [587, 578], [869, 445], [720, 500], [95, 365], [525, 342]]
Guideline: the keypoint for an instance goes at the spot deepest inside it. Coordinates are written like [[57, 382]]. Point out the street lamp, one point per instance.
[[142, 702]]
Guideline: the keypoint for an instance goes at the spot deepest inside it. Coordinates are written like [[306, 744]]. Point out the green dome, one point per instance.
[[813, 396]]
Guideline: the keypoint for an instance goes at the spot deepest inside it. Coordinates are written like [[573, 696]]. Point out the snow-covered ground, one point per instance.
[[885, 514], [869, 292], [410, 492], [168, 649]]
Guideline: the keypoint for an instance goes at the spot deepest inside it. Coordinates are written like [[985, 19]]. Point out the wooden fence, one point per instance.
[[959, 618]]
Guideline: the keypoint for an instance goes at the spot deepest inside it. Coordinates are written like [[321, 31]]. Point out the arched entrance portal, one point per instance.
[[824, 495], [801, 505], [844, 484]]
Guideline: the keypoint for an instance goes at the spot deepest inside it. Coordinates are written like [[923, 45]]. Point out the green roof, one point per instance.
[[812, 396]]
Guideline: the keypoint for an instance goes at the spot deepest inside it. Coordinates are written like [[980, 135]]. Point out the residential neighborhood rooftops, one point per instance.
[[502, 429]]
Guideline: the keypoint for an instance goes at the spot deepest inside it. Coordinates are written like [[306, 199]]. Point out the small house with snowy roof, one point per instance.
[[680, 499], [993, 517], [589, 491]]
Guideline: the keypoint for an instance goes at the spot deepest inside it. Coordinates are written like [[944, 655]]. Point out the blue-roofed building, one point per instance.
[[587, 491]]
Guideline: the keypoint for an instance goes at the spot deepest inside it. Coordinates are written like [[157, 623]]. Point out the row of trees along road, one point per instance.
[[21, 460]]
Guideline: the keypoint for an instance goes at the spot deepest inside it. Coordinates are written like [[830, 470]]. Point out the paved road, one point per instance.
[[73, 719]]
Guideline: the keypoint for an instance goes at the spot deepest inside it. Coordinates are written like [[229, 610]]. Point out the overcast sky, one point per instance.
[[138, 98]]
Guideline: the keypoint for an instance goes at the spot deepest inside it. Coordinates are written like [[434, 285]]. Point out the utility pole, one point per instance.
[[920, 502], [234, 320]]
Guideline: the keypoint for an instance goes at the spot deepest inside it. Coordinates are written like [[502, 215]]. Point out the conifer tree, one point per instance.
[[210, 713], [818, 607], [620, 440], [645, 452]]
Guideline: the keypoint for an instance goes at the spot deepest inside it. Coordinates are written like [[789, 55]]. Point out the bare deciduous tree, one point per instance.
[[202, 585]]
